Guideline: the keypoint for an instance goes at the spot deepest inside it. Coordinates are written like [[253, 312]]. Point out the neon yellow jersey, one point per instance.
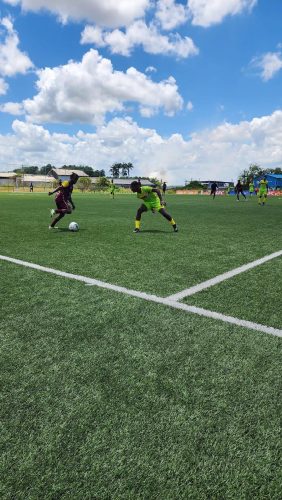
[[263, 184], [147, 194], [251, 187], [149, 197]]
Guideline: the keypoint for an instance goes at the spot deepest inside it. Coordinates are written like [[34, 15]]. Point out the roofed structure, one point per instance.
[[64, 173]]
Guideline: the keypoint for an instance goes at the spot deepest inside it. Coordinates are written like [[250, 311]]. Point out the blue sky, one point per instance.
[[182, 89]]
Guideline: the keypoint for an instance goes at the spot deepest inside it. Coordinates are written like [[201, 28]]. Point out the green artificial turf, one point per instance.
[[109, 396]]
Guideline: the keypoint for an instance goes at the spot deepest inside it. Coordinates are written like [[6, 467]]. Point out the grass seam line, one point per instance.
[[222, 277], [150, 298]]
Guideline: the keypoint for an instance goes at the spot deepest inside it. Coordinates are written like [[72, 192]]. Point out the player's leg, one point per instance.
[[55, 220], [140, 211], [167, 216]]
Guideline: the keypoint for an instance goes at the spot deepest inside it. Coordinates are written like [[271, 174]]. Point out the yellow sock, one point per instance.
[[137, 224], [172, 222]]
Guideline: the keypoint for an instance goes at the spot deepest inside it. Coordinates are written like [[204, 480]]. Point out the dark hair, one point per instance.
[[135, 185], [74, 176]]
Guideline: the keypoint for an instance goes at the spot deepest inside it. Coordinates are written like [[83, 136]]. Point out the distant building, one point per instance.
[[221, 184], [37, 180], [125, 183], [64, 173], [274, 181], [8, 178]]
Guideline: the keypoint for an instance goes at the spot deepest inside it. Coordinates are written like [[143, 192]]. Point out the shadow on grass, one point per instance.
[[66, 230], [155, 231]]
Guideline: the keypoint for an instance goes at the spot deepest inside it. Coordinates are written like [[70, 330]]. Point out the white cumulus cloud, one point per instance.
[[268, 64], [140, 34], [171, 14], [221, 153], [12, 60], [207, 12], [109, 13], [85, 91]]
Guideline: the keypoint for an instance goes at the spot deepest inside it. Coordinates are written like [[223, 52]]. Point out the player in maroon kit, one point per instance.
[[239, 190], [63, 199]]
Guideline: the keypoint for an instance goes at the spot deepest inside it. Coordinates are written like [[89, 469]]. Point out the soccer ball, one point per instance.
[[73, 226]]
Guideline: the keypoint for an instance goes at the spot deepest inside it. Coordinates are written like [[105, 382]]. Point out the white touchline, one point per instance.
[[150, 298], [222, 277]]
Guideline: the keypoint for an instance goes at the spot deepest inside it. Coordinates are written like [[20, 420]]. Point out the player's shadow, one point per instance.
[[66, 230], [154, 231]]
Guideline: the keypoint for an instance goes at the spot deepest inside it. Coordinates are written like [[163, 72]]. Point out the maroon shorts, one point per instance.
[[61, 203]]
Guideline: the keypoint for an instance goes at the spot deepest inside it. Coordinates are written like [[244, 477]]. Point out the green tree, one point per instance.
[[46, 169], [121, 168], [125, 169], [102, 183], [115, 168], [194, 185], [155, 181], [99, 173], [84, 183], [32, 170]]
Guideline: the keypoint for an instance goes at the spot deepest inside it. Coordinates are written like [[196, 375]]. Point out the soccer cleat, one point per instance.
[[175, 228], [136, 230], [53, 227], [52, 212]]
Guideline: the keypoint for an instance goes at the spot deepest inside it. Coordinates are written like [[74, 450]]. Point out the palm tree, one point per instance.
[[114, 170], [126, 167]]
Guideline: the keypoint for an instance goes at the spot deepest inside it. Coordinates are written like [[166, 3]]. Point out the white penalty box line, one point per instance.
[[222, 277], [167, 301]]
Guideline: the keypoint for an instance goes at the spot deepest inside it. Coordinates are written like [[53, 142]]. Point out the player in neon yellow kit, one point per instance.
[[251, 187], [263, 190], [151, 200]]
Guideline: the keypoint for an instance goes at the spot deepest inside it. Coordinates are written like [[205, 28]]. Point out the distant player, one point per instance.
[[263, 190], [239, 190], [214, 188], [152, 200], [63, 200], [252, 188], [113, 188], [164, 189]]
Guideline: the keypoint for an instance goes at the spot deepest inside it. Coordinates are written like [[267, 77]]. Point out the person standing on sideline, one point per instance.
[[239, 189], [263, 190], [214, 188], [151, 200], [251, 187], [31, 188], [113, 188], [164, 189], [63, 200]]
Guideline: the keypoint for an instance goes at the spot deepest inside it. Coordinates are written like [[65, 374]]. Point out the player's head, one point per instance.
[[135, 186], [74, 177]]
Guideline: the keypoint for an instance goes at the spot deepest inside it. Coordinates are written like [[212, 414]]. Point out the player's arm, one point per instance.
[[55, 191], [155, 190]]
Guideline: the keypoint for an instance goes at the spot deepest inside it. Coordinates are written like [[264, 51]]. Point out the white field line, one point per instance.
[[222, 277], [151, 298]]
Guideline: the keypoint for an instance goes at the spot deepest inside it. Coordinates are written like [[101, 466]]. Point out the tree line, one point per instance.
[[116, 170], [256, 170], [45, 169]]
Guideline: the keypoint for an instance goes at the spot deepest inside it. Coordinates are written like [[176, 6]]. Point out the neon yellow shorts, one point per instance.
[[153, 205]]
